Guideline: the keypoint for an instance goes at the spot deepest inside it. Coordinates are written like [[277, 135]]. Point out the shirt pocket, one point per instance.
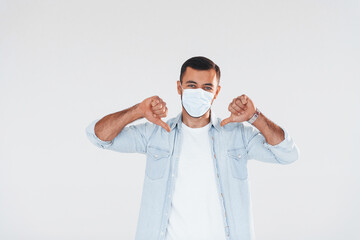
[[156, 162], [238, 162]]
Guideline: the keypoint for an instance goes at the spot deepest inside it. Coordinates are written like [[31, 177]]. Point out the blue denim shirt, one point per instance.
[[232, 146]]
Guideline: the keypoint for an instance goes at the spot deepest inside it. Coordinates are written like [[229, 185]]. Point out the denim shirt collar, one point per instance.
[[213, 119]]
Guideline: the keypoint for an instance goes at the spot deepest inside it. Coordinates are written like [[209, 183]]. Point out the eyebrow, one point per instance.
[[209, 84]]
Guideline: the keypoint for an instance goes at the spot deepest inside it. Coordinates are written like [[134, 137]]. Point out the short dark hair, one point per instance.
[[200, 63]]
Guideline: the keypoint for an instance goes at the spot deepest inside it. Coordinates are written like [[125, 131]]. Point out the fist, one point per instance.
[[153, 109], [241, 108]]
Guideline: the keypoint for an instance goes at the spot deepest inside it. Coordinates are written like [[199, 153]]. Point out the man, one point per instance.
[[196, 179]]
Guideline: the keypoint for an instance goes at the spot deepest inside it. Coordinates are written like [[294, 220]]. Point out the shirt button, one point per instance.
[[239, 156], [172, 175], [156, 155]]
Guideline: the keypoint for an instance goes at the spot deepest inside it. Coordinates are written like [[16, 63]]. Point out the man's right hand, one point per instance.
[[153, 109]]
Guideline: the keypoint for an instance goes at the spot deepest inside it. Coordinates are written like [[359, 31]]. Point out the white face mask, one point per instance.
[[196, 101]]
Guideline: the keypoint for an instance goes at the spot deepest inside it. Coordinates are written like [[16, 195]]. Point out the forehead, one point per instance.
[[200, 76]]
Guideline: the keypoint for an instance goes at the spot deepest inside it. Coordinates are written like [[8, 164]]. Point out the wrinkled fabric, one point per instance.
[[232, 146]]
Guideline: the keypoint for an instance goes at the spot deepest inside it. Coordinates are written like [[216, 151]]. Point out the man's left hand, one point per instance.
[[241, 108]]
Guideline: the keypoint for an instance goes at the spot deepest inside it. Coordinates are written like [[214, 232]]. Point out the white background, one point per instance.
[[66, 63]]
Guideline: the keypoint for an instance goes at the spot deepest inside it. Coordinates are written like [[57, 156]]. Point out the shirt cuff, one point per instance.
[[286, 143], [90, 131]]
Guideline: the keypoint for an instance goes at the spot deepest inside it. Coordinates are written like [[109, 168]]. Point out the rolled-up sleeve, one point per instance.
[[284, 152], [132, 138]]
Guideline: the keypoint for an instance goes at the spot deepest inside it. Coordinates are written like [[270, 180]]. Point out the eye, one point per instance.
[[209, 88], [191, 85]]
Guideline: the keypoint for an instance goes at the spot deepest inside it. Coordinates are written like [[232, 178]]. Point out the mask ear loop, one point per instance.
[[181, 87], [182, 92]]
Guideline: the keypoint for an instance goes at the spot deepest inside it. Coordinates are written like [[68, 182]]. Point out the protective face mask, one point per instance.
[[196, 101]]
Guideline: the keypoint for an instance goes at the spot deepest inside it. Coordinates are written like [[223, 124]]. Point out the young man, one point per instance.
[[196, 179]]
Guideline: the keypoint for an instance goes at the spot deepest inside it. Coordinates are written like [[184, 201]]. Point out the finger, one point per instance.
[[237, 107], [155, 101], [162, 124], [233, 110], [159, 105], [163, 114], [239, 103], [244, 99], [160, 110], [225, 121]]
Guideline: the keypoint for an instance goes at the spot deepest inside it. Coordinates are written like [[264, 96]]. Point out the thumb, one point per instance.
[[163, 124], [225, 121]]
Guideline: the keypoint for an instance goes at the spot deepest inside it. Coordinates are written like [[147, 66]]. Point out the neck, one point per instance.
[[195, 122]]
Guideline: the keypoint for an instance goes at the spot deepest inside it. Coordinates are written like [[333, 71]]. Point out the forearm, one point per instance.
[[273, 133], [111, 125]]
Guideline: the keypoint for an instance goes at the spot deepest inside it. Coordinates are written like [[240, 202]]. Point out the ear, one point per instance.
[[178, 87], [217, 91]]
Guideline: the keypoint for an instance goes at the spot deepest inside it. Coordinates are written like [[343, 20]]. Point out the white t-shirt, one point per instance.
[[196, 213]]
